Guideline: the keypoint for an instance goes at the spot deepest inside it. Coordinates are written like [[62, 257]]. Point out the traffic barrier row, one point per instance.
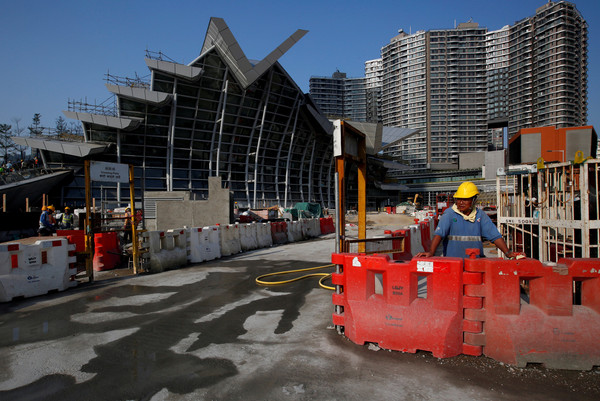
[[165, 249], [514, 311], [30, 270]]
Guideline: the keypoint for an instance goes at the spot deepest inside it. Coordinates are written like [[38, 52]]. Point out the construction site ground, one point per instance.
[[208, 332]]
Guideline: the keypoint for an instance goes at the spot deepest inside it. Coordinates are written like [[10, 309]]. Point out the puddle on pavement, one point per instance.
[[142, 363]]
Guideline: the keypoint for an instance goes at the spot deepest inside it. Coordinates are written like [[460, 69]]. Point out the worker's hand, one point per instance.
[[423, 255], [512, 255]]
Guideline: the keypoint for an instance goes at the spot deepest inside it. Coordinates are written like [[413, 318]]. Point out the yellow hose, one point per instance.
[[324, 276]]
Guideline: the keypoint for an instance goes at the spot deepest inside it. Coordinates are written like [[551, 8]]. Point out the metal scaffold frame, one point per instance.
[[551, 212]]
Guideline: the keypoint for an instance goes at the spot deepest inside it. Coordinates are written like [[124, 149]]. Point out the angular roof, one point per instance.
[[219, 36]]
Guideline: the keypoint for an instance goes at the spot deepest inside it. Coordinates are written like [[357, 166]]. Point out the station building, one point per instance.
[[222, 115]]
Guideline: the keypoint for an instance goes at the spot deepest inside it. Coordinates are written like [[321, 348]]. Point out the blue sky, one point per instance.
[[53, 51]]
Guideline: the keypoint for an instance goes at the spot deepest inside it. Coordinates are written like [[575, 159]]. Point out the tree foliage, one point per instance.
[[7, 146]]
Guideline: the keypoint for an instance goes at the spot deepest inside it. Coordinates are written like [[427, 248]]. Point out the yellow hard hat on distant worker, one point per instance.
[[51, 207], [466, 190], [67, 208], [44, 208]]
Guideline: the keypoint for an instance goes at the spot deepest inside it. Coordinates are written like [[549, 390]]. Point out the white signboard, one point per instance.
[[337, 138], [109, 172]]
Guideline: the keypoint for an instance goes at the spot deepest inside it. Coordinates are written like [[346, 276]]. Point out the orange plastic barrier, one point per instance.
[[279, 232], [382, 303], [403, 235], [559, 326], [106, 251], [327, 225], [78, 238]]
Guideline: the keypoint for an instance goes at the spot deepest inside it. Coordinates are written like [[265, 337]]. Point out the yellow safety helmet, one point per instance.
[[44, 208], [51, 207], [67, 208], [466, 190]]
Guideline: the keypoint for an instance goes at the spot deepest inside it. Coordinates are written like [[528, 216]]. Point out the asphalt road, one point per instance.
[[208, 332]]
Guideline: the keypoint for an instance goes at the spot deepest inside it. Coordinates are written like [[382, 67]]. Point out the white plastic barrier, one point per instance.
[[166, 250], [230, 239], [310, 228], [248, 240], [295, 231], [263, 235], [376, 246], [431, 227], [203, 244], [416, 245], [30, 270]]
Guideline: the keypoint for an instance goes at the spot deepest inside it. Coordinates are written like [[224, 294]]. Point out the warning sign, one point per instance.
[[109, 172]]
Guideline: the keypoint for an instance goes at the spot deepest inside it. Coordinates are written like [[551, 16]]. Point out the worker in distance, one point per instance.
[[464, 226]]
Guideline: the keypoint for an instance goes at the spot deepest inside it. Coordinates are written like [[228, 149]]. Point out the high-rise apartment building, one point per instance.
[[339, 96], [547, 72], [435, 81], [462, 86], [373, 82]]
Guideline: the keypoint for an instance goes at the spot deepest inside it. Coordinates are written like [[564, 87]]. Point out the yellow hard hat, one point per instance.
[[67, 208], [51, 207], [44, 208], [466, 190]]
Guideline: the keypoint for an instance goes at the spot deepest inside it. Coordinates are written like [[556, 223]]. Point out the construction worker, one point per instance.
[[127, 226], [46, 224], [463, 226], [67, 219]]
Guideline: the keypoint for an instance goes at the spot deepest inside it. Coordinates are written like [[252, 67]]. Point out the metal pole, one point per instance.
[[88, 231], [337, 217], [133, 228]]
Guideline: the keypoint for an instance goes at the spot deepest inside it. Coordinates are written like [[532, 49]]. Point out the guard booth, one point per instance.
[[99, 223]]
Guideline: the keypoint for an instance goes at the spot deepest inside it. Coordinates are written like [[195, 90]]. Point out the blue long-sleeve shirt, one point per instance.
[[45, 219], [459, 234]]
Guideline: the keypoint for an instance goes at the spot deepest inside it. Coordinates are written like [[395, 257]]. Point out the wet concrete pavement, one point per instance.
[[208, 332]]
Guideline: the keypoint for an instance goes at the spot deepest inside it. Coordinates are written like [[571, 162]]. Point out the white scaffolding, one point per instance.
[[550, 212]]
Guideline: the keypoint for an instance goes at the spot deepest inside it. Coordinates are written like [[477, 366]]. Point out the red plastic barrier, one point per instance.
[[425, 235], [560, 325], [382, 304], [327, 225], [403, 242], [279, 232], [106, 251], [78, 238]]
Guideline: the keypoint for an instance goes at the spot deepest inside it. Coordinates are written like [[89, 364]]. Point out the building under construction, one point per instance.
[[220, 115]]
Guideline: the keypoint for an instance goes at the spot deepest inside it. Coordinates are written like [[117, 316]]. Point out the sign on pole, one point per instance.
[[109, 172]]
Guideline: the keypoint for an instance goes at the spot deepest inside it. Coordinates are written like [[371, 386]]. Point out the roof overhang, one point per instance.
[[373, 133], [179, 70], [105, 121], [78, 149], [141, 94]]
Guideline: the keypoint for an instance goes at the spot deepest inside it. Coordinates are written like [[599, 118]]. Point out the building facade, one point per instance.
[[219, 115]]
